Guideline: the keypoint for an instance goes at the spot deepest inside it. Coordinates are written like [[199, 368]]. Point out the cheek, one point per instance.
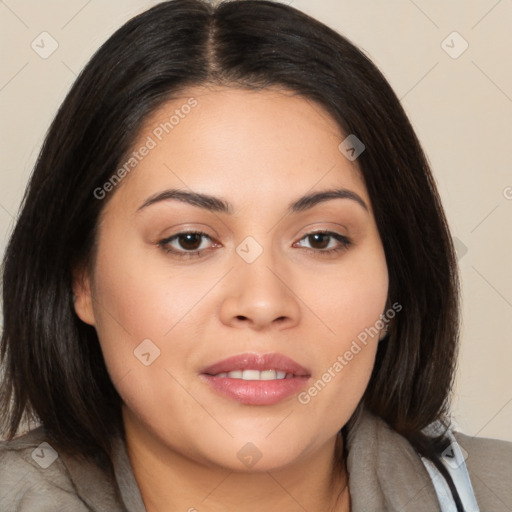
[[146, 316], [351, 297], [131, 308], [351, 301], [138, 299]]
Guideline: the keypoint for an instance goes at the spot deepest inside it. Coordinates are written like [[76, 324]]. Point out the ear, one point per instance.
[[388, 322], [83, 296], [384, 332]]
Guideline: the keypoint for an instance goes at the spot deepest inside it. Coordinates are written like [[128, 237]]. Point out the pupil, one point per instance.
[[321, 237], [187, 240]]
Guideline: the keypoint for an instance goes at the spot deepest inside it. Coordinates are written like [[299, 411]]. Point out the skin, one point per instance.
[[260, 151]]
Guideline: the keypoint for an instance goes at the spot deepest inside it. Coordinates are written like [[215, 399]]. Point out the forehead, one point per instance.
[[256, 147]]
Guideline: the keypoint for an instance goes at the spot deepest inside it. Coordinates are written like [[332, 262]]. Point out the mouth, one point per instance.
[[256, 379]]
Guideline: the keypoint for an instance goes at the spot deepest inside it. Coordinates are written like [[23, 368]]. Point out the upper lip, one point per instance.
[[261, 362]]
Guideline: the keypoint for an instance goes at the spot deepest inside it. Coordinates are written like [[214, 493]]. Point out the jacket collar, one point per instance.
[[385, 473]]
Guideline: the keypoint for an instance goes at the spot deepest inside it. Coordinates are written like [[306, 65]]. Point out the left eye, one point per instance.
[[322, 239]]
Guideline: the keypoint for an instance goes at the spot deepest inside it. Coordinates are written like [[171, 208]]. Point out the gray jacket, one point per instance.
[[385, 474]]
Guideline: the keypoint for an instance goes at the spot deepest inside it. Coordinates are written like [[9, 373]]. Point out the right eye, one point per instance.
[[185, 244]]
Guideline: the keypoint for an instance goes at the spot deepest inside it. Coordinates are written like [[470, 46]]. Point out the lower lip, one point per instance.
[[256, 392]]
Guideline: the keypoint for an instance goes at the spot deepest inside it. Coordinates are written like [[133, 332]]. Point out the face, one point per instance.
[[229, 315]]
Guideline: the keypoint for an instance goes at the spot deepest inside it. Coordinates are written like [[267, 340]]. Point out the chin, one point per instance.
[[256, 453], [249, 459]]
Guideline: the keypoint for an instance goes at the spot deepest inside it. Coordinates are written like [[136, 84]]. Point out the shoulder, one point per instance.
[[489, 464], [34, 476]]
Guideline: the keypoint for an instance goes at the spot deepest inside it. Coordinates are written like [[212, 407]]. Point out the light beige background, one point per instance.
[[460, 107]]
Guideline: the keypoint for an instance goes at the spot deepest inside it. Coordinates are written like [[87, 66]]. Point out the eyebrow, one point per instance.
[[219, 205]]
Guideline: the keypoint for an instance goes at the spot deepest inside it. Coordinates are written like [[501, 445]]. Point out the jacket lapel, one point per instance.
[[385, 472]]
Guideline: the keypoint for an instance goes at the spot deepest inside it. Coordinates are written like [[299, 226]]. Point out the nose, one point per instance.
[[260, 296]]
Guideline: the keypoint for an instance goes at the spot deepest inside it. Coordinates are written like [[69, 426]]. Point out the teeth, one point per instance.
[[251, 375], [255, 375]]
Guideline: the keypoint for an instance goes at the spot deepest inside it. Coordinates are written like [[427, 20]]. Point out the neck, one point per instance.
[[169, 480]]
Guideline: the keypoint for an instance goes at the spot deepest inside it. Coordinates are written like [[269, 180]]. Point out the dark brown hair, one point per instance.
[[52, 363]]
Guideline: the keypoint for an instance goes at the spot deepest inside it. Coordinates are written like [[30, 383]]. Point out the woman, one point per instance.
[[232, 286]]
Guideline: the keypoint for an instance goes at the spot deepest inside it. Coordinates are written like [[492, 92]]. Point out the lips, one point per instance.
[[260, 362], [256, 379]]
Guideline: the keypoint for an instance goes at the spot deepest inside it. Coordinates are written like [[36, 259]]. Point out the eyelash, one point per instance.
[[343, 240]]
